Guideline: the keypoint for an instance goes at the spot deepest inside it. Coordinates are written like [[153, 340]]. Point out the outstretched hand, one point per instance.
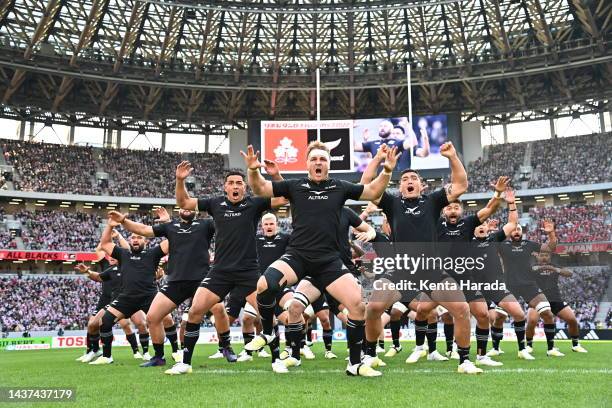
[[391, 159], [501, 184], [251, 158], [183, 170], [162, 214], [81, 268]]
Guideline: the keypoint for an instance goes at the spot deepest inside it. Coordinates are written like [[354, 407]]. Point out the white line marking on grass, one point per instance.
[[417, 371]]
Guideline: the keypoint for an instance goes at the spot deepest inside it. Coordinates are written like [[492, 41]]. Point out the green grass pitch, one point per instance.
[[576, 380]]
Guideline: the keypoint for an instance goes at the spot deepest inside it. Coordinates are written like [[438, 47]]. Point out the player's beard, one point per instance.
[[188, 218]]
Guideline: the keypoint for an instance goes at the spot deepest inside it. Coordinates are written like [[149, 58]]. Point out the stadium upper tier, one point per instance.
[[52, 168]]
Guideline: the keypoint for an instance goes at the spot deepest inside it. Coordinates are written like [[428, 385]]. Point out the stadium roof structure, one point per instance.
[[173, 64]]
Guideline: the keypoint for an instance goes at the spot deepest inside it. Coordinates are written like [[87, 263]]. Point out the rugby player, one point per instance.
[[235, 268], [547, 278], [316, 203], [517, 257]]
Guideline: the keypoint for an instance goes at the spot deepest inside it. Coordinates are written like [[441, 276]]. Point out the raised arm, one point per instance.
[[374, 190], [273, 170], [260, 186], [512, 213], [500, 186], [122, 241], [358, 251], [372, 168], [370, 208], [106, 240], [549, 229], [459, 182], [183, 170], [423, 151], [82, 268], [132, 226]]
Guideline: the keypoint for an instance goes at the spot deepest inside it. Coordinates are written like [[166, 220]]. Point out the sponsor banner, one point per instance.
[[285, 142], [47, 256], [210, 337], [568, 248], [11, 343]]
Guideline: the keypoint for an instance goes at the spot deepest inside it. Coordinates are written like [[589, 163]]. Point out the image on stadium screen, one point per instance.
[[424, 137]]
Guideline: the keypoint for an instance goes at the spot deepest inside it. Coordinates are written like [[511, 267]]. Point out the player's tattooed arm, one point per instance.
[[122, 241], [260, 186], [132, 226], [106, 240], [493, 204], [374, 190], [165, 246], [512, 212], [549, 229], [459, 181], [183, 200]]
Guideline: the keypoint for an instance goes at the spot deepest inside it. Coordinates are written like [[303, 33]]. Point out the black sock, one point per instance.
[[395, 332], [529, 341], [159, 350], [482, 337], [131, 338], [574, 340], [295, 336], [420, 329], [519, 329], [304, 338], [144, 342], [549, 330], [432, 336], [192, 334], [248, 336], [381, 343], [370, 349], [309, 334], [266, 302], [449, 334], [497, 334], [107, 343], [355, 333], [95, 342], [172, 338], [275, 345], [88, 341], [224, 340], [328, 336], [464, 354]]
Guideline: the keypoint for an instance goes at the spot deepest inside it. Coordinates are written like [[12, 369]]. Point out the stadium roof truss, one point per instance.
[[222, 62]]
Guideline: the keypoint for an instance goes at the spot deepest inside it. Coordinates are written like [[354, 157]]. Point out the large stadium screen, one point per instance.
[[430, 130], [352, 143]]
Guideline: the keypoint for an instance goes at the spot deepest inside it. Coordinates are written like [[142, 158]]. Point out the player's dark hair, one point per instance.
[[234, 173], [456, 201], [411, 171]]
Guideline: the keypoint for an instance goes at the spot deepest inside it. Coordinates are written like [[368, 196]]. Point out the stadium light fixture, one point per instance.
[[67, 202], [13, 203], [64, 206], [562, 195], [564, 198], [41, 201], [21, 199], [88, 204], [587, 193], [538, 197], [39, 204]]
